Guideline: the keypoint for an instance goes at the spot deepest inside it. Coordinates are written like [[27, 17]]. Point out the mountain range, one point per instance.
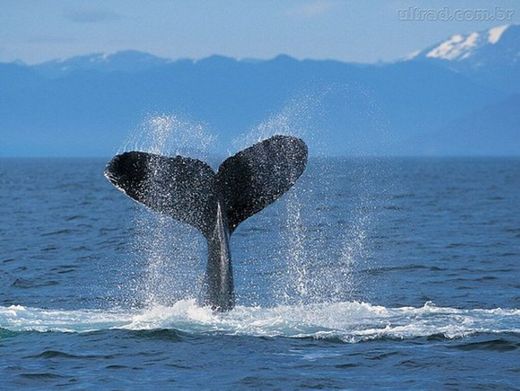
[[457, 97]]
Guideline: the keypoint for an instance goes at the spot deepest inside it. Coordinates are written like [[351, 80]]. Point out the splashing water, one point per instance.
[[306, 212], [292, 285], [297, 279], [172, 251], [347, 321], [175, 253], [171, 135], [292, 120], [311, 275]]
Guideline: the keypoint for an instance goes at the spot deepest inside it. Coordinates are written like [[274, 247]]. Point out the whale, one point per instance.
[[215, 203]]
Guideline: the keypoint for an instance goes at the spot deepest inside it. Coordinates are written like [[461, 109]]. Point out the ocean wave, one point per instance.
[[346, 321]]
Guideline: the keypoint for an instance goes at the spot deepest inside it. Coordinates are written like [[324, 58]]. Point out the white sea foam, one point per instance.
[[348, 321]]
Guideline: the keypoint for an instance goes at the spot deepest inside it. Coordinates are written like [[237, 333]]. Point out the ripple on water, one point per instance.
[[498, 345]]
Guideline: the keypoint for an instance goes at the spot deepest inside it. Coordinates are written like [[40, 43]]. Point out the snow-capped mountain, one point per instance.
[[457, 97], [460, 47], [489, 57], [123, 61]]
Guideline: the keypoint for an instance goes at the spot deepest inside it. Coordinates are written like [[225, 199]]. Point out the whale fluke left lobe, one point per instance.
[[180, 187]]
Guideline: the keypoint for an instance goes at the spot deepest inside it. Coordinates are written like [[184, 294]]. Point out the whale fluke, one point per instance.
[[215, 203]]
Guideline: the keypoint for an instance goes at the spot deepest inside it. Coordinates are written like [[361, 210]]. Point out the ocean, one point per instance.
[[397, 273]]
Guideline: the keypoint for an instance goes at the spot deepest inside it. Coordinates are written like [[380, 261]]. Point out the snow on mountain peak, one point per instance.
[[495, 33], [457, 47]]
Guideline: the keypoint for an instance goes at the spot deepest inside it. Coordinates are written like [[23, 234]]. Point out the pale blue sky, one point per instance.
[[360, 31]]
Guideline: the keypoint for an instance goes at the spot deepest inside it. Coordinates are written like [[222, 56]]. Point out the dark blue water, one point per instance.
[[370, 273]]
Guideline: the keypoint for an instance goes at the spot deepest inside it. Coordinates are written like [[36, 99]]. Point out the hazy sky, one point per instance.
[[360, 31]]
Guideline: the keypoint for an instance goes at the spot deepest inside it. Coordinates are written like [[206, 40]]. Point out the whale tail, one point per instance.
[[190, 191], [215, 203]]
